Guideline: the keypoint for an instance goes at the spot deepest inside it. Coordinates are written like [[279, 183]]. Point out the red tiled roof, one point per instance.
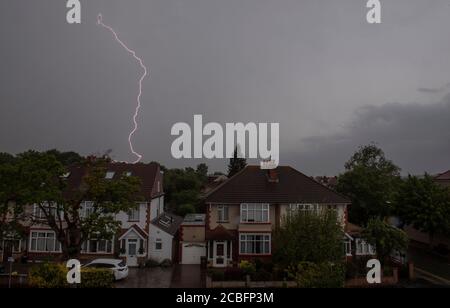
[[444, 176], [147, 173], [251, 185], [220, 233]]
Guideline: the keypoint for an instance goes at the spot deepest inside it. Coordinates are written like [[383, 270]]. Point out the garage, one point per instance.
[[191, 253]]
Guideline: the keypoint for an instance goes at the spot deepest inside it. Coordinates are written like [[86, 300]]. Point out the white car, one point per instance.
[[118, 267]]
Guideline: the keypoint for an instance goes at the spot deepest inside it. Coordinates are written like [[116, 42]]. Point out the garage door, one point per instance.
[[192, 253]]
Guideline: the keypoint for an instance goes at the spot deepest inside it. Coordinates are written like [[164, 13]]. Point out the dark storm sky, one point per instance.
[[331, 80]]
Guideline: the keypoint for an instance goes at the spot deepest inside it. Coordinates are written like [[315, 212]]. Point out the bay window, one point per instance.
[[254, 213], [97, 246], [44, 242], [255, 244]]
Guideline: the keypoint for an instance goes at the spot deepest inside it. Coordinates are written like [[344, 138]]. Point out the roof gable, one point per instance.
[[251, 185]]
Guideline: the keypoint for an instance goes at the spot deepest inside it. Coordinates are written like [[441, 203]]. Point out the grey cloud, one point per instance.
[[416, 136]]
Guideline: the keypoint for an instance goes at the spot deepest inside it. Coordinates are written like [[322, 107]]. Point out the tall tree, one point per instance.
[[425, 205], [371, 181], [308, 237], [61, 205], [236, 163], [386, 238]]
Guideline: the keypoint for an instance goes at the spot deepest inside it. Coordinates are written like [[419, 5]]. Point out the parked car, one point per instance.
[[118, 267]]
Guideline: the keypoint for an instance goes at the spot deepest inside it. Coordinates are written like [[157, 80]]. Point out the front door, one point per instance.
[[132, 250], [220, 254]]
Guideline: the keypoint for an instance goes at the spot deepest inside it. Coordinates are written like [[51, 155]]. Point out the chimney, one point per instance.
[[272, 175]]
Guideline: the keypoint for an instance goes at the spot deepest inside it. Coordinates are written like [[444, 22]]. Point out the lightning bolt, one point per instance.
[[138, 107]]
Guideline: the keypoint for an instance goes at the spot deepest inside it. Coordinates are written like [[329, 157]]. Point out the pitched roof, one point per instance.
[[168, 222], [443, 179], [136, 228], [147, 173], [220, 233], [251, 185]]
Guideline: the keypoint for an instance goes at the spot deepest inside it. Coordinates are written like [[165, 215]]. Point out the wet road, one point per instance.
[[147, 278]]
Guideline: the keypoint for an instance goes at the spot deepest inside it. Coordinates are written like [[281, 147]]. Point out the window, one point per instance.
[[348, 247], [255, 243], [158, 244], [363, 248], [254, 213], [97, 246], [87, 209], [312, 208], [40, 211], [133, 214], [44, 242], [109, 175], [222, 213], [15, 245]]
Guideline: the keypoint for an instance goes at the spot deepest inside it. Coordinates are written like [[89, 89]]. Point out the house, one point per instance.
[[192, 239], [242, 213], [163, 237], [132, 241]]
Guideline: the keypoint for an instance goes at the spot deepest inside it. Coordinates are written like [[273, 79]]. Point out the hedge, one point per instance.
[[52, 275]]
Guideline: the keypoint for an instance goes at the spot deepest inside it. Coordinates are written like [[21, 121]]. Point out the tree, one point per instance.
[[202, 172], [371, 182], [11, 201], [66, 158], [62, 206], [425, 205], [236, 163], [308, 237], [385, 238]]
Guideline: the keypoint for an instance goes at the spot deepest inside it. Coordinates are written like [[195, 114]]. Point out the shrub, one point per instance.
[[96, 278], [216, 275], [166, 263], [234, 274], [151, 263], [247, 267], [48, 275], [52, 275], [262, 275], [318, 275]]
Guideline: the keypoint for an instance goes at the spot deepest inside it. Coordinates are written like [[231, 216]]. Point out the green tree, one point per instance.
[[308, 237], [385, 238], [425, 205], [236, 163], [371, 182], [202, 172], [66, 158], [11, 200], [62, 207]]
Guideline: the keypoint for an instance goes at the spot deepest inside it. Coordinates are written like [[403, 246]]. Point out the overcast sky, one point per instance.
[[331, 80]]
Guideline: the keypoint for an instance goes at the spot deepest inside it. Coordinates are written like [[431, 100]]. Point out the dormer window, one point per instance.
[[110, 175]]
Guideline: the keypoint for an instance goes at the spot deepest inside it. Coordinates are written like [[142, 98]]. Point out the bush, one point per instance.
[[216, 275], [166, 263], [262, 275], [96, 278], [151, 263], [318, 275], [52, 275], [48, 275], [247, 267], [234, 274]]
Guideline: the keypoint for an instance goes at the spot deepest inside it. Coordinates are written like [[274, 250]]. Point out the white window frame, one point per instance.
[[57, 244], [134, 214], [363, 248], [304, 207], [158, 241], [2, 248], [110, 175], [246, 209], [266, 238], [87, 245], [223, 213], [86, 209], [38, 213], [348, 247]]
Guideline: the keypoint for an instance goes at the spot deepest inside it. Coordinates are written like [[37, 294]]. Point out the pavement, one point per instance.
[[147, 278], [430, 267], [188, 276]]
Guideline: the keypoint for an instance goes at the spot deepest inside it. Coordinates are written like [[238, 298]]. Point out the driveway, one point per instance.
[[147, 278], [188, 277]]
